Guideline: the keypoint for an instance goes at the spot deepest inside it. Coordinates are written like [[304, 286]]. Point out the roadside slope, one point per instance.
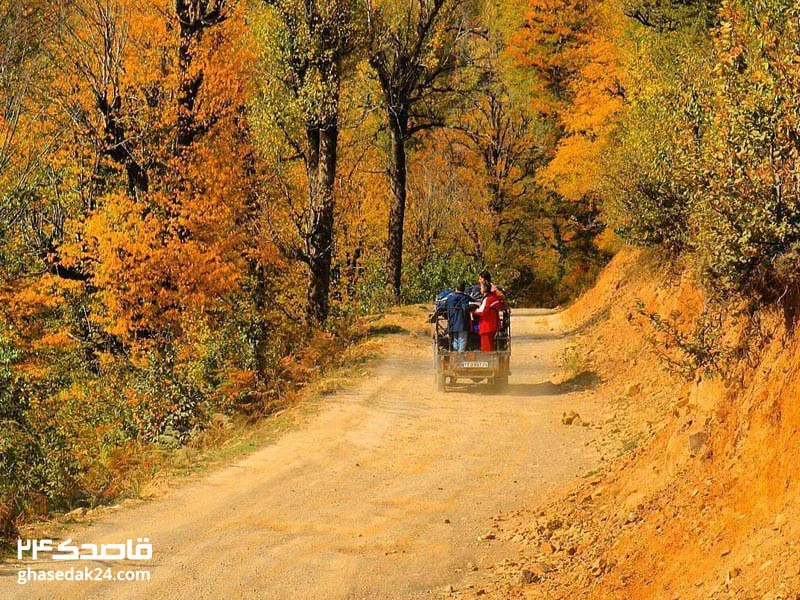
[[382, 494], [703, 500]]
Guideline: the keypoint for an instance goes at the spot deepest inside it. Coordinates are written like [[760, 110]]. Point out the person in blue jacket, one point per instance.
[[458, 317]]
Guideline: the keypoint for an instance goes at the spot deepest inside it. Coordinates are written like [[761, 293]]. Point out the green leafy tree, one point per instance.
[[416, 49], [748, 213], [308, 48]]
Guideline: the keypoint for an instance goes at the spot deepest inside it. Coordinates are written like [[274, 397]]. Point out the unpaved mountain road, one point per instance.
[[381, 494]]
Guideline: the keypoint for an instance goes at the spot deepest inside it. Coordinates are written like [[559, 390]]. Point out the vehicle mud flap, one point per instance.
[[441, 382]]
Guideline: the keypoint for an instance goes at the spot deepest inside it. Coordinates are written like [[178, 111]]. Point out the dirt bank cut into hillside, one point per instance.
[[702, 502]]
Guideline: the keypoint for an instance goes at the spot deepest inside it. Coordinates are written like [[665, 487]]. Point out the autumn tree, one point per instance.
[[20, 33], [195, 18], [151, 187], [510, 142], [746, 216], [650, 172], [308, 44], [565, 59], [416, 49]]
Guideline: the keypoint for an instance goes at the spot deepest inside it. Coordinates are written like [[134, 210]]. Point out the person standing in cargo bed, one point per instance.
[[488, 314], [458, 317], [486, 277]]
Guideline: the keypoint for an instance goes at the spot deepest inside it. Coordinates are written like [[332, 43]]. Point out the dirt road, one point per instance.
[[382, 494]]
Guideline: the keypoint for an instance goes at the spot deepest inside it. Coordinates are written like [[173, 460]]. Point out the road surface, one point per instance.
[[381, 494]]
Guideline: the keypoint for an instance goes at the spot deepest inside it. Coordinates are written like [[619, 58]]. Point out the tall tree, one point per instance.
[[154, 177], [195, 18], [314, 39], [416, 48], [23, 27], [506, 139]]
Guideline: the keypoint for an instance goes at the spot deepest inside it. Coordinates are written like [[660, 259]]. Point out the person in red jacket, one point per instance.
[[486, 277], [488, 314]]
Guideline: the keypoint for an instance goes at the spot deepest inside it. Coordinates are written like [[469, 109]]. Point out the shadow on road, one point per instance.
[[384, 329], [581, 382], [597, 317], [537, 337]]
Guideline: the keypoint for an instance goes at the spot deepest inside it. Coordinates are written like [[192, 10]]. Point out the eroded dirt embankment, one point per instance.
[[702, 501]]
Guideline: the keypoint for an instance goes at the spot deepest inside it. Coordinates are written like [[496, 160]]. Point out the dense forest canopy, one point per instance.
[[198, 198]]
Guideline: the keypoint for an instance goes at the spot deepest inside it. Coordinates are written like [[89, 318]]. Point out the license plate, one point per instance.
[[475, 365]]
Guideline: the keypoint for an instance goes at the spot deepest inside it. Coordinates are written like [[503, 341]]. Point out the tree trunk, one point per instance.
[[260, 299], [560, 247], [321, 241], [397, 210], [353, 268], [116, 146], [188, 86], [312, 162]]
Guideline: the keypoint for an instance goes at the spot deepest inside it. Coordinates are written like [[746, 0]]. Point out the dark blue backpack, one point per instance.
[[441, 299]]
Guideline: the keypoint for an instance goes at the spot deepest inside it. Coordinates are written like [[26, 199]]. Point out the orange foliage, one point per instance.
[[176, 248], [570, 47], [597, 96]]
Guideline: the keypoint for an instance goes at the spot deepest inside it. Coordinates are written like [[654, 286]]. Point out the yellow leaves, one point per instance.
[[592, 77], [577, 168], [608, 241], [179, 251], [158, 259]]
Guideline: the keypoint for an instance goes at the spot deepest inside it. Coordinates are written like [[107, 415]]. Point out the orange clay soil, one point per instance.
[[701, 501]]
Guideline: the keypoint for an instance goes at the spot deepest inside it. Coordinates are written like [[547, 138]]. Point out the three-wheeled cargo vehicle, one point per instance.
[[472, 365]]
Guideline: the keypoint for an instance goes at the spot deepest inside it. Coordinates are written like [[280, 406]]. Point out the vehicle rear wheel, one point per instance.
[[501, 383]]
